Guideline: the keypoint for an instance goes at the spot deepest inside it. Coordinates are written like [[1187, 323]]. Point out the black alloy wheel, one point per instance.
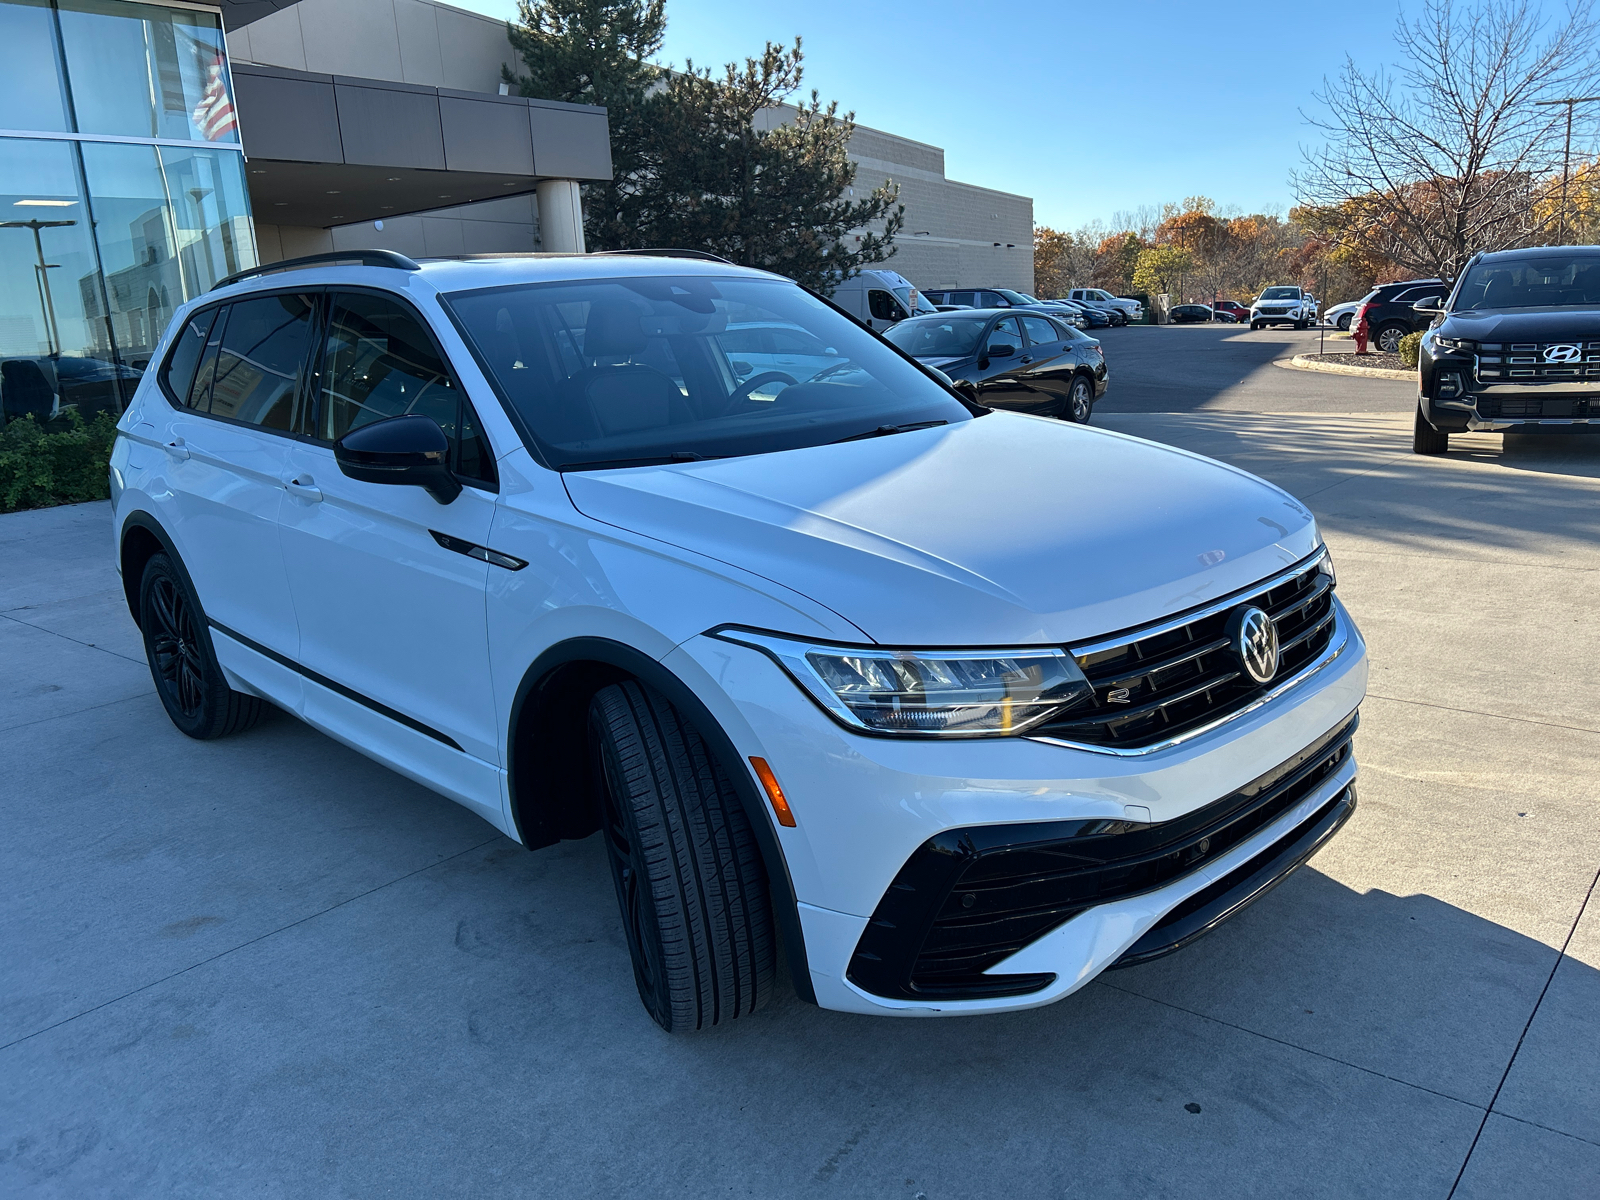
[[183, 662], [690, 883], [1080, 400], [1388, 339]]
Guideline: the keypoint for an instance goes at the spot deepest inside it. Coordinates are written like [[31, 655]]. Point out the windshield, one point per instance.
[[1013, 297], [1546, 281], [629, 371], [916, 303], [1281, 293], [944, 336]]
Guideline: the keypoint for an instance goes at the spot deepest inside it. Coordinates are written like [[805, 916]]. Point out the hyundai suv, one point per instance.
[[1516, 348], [1281, 306], [959, 707]]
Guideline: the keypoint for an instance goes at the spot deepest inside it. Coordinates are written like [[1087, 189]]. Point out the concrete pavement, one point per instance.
[[266, 966]]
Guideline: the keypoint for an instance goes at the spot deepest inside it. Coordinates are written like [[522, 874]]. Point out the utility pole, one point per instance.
[[1566, 154]]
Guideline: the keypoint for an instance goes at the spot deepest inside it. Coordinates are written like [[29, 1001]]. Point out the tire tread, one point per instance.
[[705, 876]]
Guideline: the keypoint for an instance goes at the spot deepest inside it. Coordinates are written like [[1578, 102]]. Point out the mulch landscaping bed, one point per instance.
[[1378, 360]]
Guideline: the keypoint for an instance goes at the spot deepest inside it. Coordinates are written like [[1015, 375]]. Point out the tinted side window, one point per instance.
[[1040, 331], [961, 298], [378, 362], [177, 377], [884, 307], [992, 300], [741, 341], [1005, 333], [200, 391], [260, 371]]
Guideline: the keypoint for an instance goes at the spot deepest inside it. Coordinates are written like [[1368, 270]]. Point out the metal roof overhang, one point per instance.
[[331, 150]]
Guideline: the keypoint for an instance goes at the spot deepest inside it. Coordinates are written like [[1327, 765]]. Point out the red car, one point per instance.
[[1229, 306]]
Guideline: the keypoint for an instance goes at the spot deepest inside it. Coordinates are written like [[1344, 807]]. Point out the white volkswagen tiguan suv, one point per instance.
[[958, 707]]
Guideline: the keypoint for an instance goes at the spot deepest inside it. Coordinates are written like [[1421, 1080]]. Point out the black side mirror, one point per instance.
[[999, 350], [406, 450]]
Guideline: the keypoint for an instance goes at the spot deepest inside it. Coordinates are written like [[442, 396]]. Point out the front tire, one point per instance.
[[1425, 439], [688, 873], [1344, 322], [183, 662], [1254, 325], [1080, 400]]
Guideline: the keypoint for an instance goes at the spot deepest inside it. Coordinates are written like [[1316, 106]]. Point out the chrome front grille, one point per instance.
[[1159, 682], [1527, 361]]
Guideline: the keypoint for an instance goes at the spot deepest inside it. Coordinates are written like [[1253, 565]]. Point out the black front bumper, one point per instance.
[[1511, 410], [1233, 893], [967, 899]]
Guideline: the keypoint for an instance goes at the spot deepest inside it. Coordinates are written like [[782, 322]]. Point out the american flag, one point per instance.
[[214, 116]]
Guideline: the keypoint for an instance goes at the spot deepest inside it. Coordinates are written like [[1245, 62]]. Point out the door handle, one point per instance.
[[177, 449], [303, 487], [1027, 358]]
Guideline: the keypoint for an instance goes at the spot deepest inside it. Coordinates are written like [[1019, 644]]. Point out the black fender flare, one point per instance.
[[626, 660], [140, 519]]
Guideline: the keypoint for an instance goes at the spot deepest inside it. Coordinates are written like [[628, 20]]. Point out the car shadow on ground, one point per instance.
[[1552, 454]]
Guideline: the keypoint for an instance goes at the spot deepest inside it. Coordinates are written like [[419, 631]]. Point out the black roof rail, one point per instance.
[[367, 258], [703, 255]]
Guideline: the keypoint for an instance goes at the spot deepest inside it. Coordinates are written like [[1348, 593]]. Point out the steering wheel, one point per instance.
[[742, 392]]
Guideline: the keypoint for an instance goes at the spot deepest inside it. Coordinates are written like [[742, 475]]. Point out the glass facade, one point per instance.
[[122, 193]]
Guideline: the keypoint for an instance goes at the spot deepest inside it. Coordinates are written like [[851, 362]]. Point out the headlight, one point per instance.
[[928, 693], [1444, 343], [1325, 567]]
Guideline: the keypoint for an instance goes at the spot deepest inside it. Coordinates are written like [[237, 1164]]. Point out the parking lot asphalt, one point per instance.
[[265, 966], [1230, 368]]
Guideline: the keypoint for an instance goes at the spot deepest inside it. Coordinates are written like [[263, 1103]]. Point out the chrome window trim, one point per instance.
[[1336, 646], [1140, 632]]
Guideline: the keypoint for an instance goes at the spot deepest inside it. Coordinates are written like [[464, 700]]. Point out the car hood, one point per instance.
[[1004, 529], [1524, 325]]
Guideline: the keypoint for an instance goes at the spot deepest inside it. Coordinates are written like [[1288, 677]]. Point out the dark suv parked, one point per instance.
[[1517, 348], [1390, 314]]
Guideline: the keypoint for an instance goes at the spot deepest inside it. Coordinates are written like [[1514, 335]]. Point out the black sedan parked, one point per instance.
[[1007, 359], [1189, 314]]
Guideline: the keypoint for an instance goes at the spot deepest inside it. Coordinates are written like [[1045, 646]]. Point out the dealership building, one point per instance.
[[148, 150]]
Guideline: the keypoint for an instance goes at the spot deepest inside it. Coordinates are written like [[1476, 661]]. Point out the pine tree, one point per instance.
[[598, 52]]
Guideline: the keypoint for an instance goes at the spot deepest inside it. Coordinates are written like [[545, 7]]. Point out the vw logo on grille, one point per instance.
[[1255, 640], [1563, 352]]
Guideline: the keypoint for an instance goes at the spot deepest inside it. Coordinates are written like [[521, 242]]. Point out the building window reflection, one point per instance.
[[142, 71], [55, 349], [101, 241], [33, 94]]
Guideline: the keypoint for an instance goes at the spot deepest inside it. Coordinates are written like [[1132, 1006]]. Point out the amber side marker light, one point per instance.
[[769, 781]]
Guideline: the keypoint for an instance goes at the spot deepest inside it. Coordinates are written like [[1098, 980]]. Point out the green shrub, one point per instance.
[[1410, 348], [62, 462]]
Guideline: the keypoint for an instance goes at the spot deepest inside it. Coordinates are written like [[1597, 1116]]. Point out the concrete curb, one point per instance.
[[1301, 363]]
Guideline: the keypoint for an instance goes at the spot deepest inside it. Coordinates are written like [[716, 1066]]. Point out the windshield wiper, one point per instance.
[[886, 430], [649, 460]]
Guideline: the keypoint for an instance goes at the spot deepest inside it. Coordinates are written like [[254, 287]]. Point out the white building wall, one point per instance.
[[955, 234]]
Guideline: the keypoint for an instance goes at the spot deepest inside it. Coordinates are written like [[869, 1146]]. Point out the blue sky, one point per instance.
[[1090, 108]]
